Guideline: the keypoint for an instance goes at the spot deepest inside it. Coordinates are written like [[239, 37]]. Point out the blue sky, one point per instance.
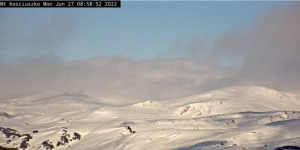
[[142, 30]]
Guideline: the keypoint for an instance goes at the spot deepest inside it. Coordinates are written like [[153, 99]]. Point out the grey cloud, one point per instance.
[[24, 32], [266, 54], [109, 77], [270, 50]]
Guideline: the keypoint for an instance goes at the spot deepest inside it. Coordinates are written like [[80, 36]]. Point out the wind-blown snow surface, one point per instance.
[[255, 118]]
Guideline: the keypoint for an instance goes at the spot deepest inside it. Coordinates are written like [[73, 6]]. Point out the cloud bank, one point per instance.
[[265, 54], [268, 52], [109, 77]]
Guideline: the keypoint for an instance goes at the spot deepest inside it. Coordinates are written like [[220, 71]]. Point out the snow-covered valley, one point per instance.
[[255, 118]]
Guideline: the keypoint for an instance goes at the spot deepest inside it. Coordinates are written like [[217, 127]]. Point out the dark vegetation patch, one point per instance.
[[64, 139], [230, 122], [7, 148], [288, 148], [48, 145], [129, 128], [76, 136], [10, 134], [24, 144]]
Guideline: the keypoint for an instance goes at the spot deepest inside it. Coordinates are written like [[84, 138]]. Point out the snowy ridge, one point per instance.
[[255, 118]]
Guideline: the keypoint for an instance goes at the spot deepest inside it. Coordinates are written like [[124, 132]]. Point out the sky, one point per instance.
[[150, 50], [139, 30]]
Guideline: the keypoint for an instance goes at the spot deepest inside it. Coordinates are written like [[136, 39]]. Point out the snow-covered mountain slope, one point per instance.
[[254, 118]]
